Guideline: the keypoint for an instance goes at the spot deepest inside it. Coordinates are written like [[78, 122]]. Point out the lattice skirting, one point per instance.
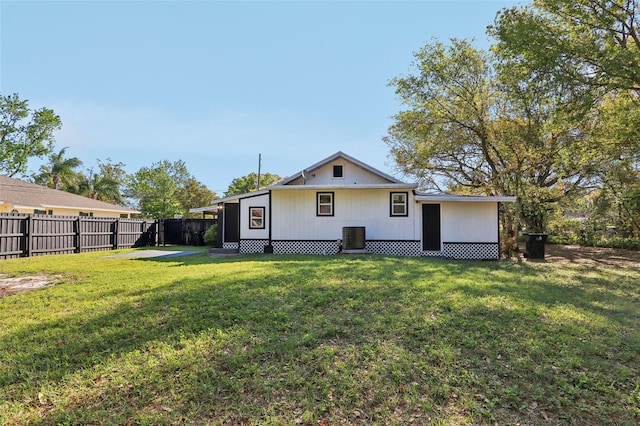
[[321, 247], [253, 246], [394, 248], [479, 251]]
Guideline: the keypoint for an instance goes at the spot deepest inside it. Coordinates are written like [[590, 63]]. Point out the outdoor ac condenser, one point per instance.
[[353, 237]]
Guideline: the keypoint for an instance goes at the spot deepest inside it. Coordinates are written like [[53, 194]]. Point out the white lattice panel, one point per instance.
[[479, 251], [253, 246], [395, 248], [305, 247]]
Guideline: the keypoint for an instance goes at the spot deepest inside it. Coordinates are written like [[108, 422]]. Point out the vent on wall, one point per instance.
[[353, 238]]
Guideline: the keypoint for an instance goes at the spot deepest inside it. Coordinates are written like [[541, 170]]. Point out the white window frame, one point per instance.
[[393, 204], [320, 204], [259, 224]]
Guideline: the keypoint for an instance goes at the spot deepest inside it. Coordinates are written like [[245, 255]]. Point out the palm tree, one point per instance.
[[59, 169], [104, 185]]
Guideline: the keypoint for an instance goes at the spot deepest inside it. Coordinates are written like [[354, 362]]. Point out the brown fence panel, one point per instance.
[[96, 233], [135, 233], [51, 234], [12, 235], [24, 235]]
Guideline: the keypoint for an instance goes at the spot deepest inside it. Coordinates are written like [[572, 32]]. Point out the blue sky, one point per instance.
[[215, 83]]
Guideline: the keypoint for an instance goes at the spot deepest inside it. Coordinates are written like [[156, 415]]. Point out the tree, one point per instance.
[[587, 41], [106, 184], [60, 173], [24, 134], [248, 183], [592, 49], [473, 130], [194, 194], [154, 189], [617, 200]]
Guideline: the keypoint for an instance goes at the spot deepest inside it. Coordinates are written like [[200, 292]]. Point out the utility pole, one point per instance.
[[259, 164]]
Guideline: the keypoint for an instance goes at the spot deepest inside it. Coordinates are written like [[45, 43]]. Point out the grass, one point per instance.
[[280, 340]]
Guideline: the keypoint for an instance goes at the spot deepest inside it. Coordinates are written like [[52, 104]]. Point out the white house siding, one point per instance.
[[470, 230], [245, 204], [352, 174], [294, 216], [469, 222]]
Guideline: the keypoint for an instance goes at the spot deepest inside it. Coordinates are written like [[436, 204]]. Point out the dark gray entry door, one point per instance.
[[431, 239], [231, 223]]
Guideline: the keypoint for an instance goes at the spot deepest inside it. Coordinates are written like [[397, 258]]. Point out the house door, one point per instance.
[[231, 223], [431, 227]]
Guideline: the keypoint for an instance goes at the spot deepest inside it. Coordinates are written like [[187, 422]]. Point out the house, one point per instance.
[[17, 196], [341, 204]]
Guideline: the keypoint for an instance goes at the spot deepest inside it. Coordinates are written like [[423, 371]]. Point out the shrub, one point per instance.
[[619, 243], [570, 239], [210, 235]]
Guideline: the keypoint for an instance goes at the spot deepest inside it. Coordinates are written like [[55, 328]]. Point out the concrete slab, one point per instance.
[[147, 254]]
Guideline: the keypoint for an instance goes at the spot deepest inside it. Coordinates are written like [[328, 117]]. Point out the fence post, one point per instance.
[[156, 227], [79, 234], [28, 235], [116, 233], [144, 234]]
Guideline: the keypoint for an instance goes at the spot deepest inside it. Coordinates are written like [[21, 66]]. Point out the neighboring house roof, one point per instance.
[[27, 195]]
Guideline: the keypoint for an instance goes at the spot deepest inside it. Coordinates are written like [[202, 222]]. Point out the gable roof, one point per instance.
[[23, 194], [339, 154]]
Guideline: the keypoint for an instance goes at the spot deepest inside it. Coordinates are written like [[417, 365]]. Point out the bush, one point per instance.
[[590, 240], [618, 243], [210, 235], [570, 239]]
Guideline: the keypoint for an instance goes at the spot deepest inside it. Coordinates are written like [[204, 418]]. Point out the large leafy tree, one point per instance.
[[60, 172], [154, 190], [592, 49], [616, 202], [470, 129], [24, 133], [585, 41], [194, 194], [248, 183]]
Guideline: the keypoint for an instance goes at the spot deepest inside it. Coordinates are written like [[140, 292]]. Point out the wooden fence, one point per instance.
[[188, 232], [23, 235]]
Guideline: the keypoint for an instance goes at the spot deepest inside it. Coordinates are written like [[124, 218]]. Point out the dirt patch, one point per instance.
[[557, 253], [11, 285]]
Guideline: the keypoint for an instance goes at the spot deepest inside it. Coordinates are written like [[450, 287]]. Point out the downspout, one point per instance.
[[270, 209], [499, 242]]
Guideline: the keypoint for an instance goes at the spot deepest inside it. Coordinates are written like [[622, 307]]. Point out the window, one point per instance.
[[337, 172], [256, 217], [399, 204], [85, 214], [324, 204], [38, 211]]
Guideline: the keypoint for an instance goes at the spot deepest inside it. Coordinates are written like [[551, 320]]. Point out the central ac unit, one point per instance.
[[353, 238]]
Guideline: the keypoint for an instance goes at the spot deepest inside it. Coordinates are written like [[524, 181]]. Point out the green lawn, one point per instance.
[[282, 340]]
